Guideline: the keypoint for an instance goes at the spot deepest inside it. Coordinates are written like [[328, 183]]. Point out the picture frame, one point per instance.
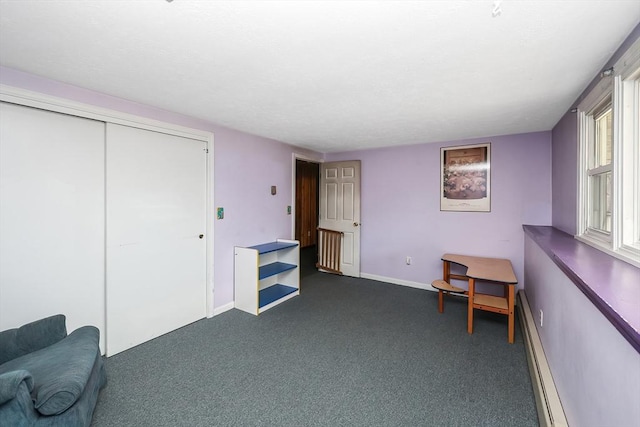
[[465, 178]]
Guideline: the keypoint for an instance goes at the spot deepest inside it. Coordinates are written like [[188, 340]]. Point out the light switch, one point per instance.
[[273, 190]]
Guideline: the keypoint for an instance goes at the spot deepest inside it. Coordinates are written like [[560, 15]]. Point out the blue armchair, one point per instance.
[[49, 378]]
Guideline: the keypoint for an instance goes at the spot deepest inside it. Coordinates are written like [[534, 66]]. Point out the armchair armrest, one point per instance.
[[16, 406], [10, 383]]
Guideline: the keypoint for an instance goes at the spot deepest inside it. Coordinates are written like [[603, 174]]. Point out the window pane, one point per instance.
[[600, 209], [603, 137]]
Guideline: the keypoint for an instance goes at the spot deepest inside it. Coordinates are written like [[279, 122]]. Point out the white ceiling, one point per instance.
[[328, 75]]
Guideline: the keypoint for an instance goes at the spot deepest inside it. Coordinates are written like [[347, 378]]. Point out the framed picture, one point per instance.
[[465, 178]]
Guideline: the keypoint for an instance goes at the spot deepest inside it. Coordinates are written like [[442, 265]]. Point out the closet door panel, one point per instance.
[[156, 256], [51, 218]]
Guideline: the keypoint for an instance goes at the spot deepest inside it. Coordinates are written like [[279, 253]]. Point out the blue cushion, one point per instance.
[[60, 371]]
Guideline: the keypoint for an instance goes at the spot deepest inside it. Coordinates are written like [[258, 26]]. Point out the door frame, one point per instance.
[[294, 157], [42, 101]]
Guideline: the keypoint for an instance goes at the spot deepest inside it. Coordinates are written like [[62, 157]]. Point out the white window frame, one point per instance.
[[623, 89]]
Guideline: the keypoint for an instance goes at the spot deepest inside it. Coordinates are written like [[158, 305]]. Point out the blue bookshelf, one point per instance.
[[266, 275]]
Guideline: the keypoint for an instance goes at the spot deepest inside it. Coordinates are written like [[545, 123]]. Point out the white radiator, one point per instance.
[[550, 412]]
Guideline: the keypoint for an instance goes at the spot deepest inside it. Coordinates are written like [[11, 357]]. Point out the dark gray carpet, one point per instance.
[[346, 352]]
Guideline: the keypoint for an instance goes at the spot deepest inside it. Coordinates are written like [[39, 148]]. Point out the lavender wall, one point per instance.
[[245, 167], [564, 155], [400, 199]]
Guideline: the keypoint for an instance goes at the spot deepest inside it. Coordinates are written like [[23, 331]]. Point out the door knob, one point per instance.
[[201, 236], [355, 224]]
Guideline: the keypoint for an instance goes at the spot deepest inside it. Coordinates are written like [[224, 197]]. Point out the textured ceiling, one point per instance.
[[330, 76]]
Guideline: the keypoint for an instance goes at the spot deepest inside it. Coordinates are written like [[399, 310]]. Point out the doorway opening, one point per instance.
[[306, 214]]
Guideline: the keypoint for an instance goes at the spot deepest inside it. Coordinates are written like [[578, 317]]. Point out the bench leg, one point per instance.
[[472, 284], [445, 276], [510, 302]]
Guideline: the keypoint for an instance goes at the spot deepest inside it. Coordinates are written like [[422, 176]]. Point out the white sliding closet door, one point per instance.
[[51, 218], [156, 218]]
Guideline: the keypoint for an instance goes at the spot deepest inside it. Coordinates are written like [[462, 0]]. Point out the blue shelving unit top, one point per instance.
[[273, 246], [273, 269], [274, 293]]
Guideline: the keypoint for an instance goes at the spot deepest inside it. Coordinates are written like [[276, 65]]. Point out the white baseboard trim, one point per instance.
[[223, 308], [418, 285], [550, 411]]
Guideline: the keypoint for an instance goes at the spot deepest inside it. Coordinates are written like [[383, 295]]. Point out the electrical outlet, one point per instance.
[[541, 318], [408, 260]]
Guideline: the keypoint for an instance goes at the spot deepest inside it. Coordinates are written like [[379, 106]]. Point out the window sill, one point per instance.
[[623, 254], [612, 285]]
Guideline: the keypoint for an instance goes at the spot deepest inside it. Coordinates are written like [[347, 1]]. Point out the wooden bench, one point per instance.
[[490, 270]]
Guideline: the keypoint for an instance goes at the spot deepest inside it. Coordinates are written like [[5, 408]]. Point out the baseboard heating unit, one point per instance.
[[550, 412]]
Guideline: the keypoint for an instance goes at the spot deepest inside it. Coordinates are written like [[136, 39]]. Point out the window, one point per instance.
[[600, 168], [630, 163], [609, 164]]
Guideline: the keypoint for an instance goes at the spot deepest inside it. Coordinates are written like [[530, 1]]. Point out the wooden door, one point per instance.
[[306, 202]]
